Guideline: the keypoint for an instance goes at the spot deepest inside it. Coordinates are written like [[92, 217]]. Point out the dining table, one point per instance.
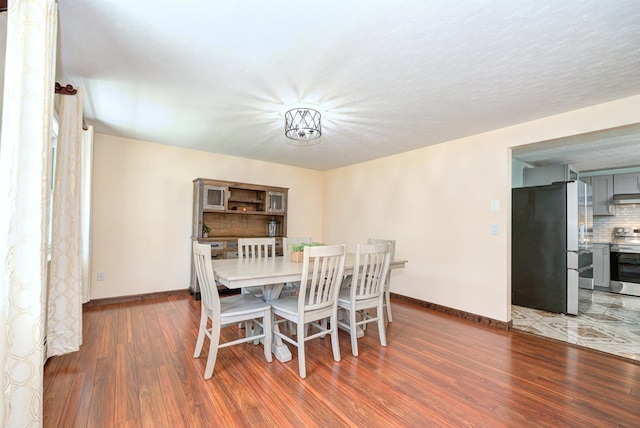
[[272, 274]]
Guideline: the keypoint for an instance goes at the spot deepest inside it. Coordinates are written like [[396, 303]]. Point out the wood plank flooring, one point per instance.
[[136, 369]]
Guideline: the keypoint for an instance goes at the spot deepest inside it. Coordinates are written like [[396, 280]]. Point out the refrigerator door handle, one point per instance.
[[572, 220], [573, 285], [585, 268]]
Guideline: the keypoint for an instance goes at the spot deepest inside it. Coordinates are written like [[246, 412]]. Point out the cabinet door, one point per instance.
[[276, 202], [601, 265], [626, 183], [213, 197], [602, 194]]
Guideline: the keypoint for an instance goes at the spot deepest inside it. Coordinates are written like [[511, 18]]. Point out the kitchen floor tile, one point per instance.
[[528, 313], [607, 322], [629, 302]]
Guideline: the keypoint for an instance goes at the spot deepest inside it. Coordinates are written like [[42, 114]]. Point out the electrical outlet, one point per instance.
[[100, 276]]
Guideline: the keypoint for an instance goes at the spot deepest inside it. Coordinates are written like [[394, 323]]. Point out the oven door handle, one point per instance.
[[620, 250]]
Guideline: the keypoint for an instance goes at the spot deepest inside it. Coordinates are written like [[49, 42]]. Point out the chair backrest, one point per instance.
[[206, 278], [322, 270], [256, 248], [288, 242], [391, 242], [370, 271]]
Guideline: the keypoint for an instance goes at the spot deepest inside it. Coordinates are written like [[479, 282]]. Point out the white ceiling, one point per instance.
[[388, 76], [614, 148]]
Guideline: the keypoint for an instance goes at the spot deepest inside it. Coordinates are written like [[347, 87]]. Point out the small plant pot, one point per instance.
[[297, 256], [205, 235]]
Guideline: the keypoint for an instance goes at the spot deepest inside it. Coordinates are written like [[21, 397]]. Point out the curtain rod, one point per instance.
[[67, 90]]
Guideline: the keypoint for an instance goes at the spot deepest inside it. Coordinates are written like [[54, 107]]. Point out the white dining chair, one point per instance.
[[387, 284], [322, 270], [287, 243], [366, 292], [256, 248], [226, 311], [291, 288]]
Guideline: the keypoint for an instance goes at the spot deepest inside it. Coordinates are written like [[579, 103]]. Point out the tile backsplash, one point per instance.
[[626, 216]]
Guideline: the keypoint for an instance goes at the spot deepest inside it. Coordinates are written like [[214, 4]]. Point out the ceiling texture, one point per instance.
[[387, 76]]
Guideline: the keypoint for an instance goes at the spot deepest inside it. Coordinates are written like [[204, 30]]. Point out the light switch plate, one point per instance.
[[495, 205], [494, 229]]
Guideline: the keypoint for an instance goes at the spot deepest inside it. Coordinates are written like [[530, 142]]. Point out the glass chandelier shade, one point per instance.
[[302, 124]]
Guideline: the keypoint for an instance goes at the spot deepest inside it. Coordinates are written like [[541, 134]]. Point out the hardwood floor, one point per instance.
[[136, 368]]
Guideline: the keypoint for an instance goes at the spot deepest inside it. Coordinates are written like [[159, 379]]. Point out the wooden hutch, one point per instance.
[[236, 210]]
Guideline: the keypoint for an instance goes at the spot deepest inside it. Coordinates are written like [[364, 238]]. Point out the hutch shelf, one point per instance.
[[234, 210]]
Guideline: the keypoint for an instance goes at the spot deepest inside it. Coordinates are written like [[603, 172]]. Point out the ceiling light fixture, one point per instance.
[[302, 125]]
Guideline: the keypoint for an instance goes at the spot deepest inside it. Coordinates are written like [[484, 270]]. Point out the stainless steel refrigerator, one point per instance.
[[550, 255]]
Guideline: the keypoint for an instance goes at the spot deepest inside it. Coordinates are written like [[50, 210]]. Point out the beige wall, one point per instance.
[[141, 210], [436, 203]]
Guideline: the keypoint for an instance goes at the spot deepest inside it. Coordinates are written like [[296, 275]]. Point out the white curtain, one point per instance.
[[64, 299], [24, 194], [87, 172]]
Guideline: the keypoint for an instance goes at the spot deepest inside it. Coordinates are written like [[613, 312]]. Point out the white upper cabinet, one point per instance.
[[626, 183], [602, 194]]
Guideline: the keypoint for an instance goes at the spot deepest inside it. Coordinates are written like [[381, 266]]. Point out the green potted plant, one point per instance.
[[205, 230], [297, 250]]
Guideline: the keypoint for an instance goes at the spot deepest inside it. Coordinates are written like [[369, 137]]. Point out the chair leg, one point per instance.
[[382, 327], [387, 296], [253, 329], [242, 291], [248, 328], [268, 335], [302, 368], [335, 343], [201, 334], [323, 325], [353, 333], [213, 350]]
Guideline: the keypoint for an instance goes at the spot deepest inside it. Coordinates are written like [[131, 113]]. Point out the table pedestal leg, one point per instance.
[[279, 348]]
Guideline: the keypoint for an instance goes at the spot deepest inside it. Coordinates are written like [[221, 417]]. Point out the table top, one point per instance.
[[238, 273]]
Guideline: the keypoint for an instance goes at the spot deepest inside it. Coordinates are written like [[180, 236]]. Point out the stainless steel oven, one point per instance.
[[625, 261]]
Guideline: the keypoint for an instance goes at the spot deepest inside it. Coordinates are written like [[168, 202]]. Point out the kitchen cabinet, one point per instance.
[[236, 210], [213, 197], [276, 202], [602, 194], [601, 268], [626, 183], [544, 175]]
